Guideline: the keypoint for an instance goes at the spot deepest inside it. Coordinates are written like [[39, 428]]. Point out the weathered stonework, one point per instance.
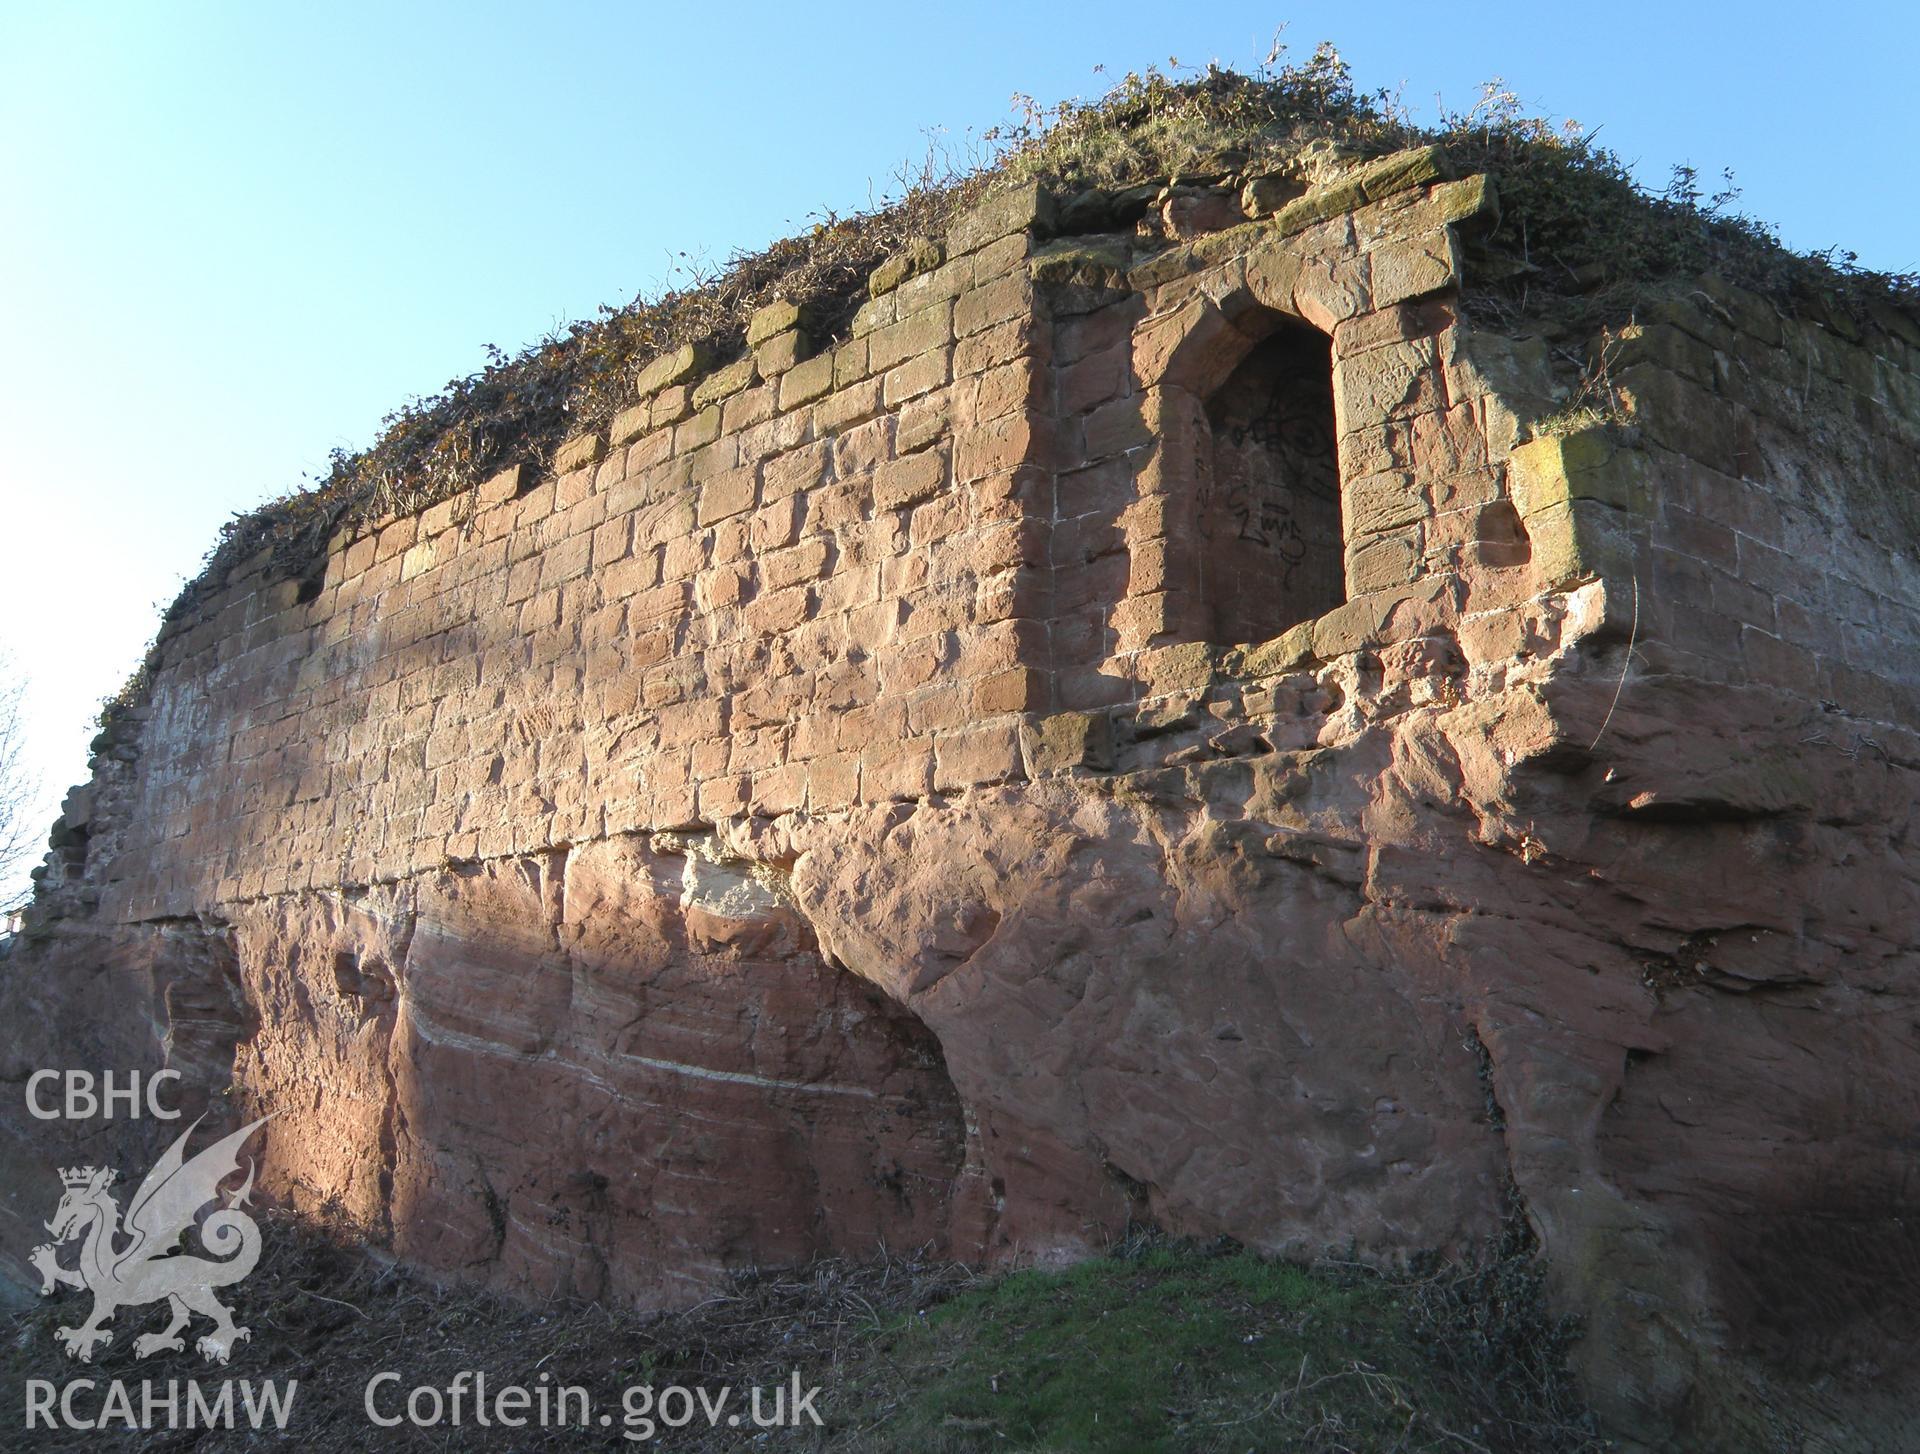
[[869, 793]]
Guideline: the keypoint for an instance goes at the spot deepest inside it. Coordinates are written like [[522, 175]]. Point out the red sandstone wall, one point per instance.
[[826, 811], [800, 582], [794, 582]]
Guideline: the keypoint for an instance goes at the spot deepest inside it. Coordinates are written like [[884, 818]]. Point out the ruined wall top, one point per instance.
[[1069, 459]]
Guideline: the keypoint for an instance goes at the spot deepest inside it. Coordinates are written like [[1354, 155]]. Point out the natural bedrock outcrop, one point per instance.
[[1376, 984]]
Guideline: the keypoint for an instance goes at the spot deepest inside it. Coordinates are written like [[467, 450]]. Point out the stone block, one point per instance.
[[418, 559], [1027, 207], [1100, 263], [1066, 740], [778, 611], [917, 333], [844, 408], [579, 452], [1318, 205], [1589, 464], [1384, 617], [850, 363], [909, 480], [939, 285], [501, 487], [715, 459], [1400, 271], [1194, 346], [671, 405], [725, 495], [833, 782], [1162, 564], [1379, 502], [720, 588], [875, 313], [1692, 420], [779, 316], [1578, 540], [806, 381], [1002, 446], [725, 796], [683, 556], [629, 576], [990, 262], [649, 450], [678, 367], [1779, 663], [1392, 382], [777, 522], [779, 790], [915, 377], [1266, 195], [1142, 620], [1017, 689], [612, 542], [921, 255], [977, 758], [863, 447], [795, 565], [1667, 346], [795, 471], [726, 382], [923, 420], [1185, 666], [1383, 562], [629, 424], [1292, 648], [568, 490], [896, 771], [611, 471], [749, 407], [563, 561], [697, 431], [981, 308], [779, 353], [1017, 338], [1472, 203], [1401, 170], [1083, 384]]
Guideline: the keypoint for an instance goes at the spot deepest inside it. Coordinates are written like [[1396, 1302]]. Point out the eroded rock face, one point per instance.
[[829, 815], [612, 1072]]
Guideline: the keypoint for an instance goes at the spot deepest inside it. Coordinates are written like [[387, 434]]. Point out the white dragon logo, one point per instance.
[[123, 1266]]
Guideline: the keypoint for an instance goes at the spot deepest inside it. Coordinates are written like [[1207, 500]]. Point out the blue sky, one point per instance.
[[236, 235]]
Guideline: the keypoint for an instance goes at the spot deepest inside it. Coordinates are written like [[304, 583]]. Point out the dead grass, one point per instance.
[[330, 1317], [1162, 1345]]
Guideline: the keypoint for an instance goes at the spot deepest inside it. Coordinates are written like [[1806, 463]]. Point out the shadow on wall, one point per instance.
[[1270, 551]]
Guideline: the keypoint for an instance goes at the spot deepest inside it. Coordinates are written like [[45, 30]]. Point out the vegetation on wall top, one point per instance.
[[1580, 245]]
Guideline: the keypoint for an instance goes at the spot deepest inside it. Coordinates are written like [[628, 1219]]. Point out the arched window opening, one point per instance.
[[1270, 544]]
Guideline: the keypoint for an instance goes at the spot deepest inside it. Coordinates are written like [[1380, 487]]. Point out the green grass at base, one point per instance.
[[1173, 1349]]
